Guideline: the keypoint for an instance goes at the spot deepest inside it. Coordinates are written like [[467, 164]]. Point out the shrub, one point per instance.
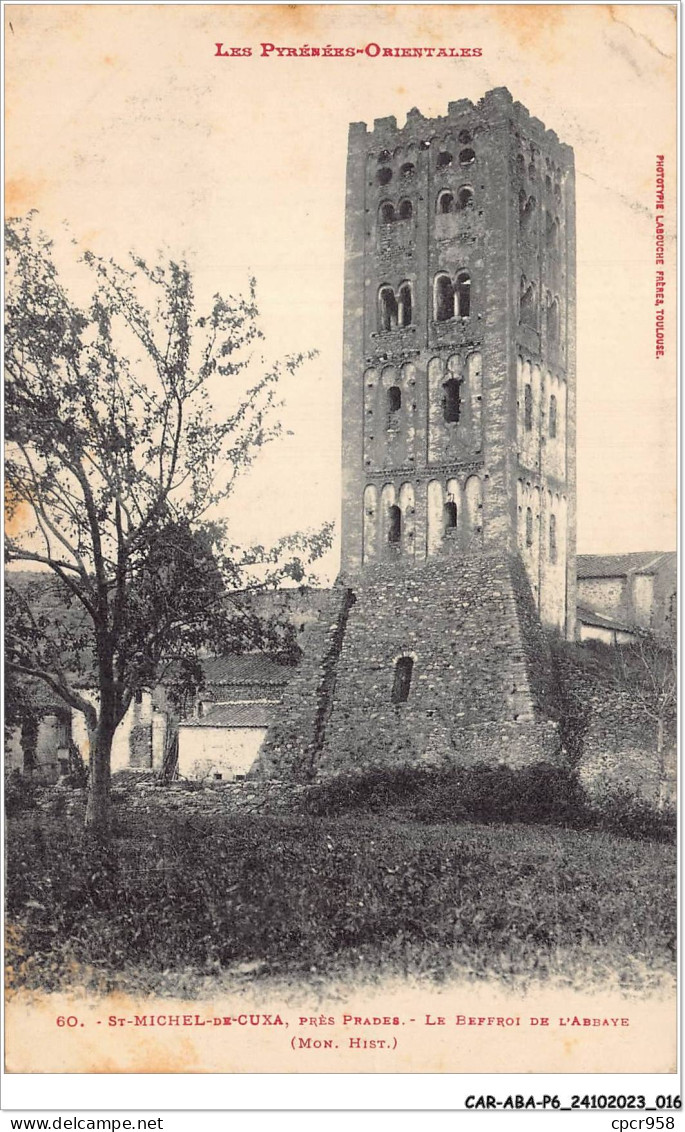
[[20, 793], [537, 793], [542, 793]]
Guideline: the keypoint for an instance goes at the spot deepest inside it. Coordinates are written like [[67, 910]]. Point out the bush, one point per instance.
[[20, 793], [537, 793], [542, 793], [625, 813]]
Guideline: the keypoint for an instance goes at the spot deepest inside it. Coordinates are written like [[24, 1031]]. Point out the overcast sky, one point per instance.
[[122, 123]]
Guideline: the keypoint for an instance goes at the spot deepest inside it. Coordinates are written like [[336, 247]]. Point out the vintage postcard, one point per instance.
[[340, 496]]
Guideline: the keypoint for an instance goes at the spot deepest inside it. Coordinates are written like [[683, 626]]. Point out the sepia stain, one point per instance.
[[18, 514], [281, 21], [530, 24], [23, 193]]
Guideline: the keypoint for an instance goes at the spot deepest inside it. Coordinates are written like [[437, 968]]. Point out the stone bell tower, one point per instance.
[[459, 475], [459, 345]]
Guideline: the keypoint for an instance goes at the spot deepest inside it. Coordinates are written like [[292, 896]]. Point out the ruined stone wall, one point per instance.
[[480, 665], [292, 741], [460, 284]]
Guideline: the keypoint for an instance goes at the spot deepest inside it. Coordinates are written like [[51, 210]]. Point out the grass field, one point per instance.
[[172, 906]]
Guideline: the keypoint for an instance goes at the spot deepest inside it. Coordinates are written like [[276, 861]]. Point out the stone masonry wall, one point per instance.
[[620, 742], [480, 663]]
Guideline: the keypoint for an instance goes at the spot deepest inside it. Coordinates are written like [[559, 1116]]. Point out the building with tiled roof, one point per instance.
[[620, 595]]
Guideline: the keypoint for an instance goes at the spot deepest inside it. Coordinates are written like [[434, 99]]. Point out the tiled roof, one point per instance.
[[250, 668], [600, 620], [234, 715], [620, 565]]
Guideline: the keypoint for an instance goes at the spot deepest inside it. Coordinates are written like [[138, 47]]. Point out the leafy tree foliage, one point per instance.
[[128, 423]]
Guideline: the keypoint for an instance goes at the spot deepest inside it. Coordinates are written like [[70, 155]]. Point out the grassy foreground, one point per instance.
[[171, 905]]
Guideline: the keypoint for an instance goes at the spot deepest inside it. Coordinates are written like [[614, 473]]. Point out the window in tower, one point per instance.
[[552, 538], [443, 298], [464, 198], [465, 137], [552, 319], [527, 206], [394, 397], [394, 524], [384, 175], [405, 210], [529, 527], [528, 408], [386, 213], [463, 294], [387, 309], [408, 169], [467, 157], [444, 159], [445, 203], [402, 682], [384, 156], [552, 416], [404, 306], [450, 515], [451, 403]]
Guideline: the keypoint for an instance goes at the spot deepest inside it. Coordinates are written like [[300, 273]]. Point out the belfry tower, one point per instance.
[[458, 517], [459, 339]]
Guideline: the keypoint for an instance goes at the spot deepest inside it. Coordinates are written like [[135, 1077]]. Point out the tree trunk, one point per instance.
[[97, 808]]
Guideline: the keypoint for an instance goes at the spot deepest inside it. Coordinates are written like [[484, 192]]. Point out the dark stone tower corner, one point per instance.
[[458, 465]]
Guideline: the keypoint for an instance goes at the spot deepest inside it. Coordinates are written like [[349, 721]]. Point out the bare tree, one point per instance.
[[117, 464]]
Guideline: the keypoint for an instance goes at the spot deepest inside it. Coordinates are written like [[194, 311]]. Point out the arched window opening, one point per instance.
[[465, 137], [444, 159], [520, 163], [557, 192], [450, 515], [463, 295], [464, 198], [384, 156], [527, 207], [552, 538], [394, 398], [528, 302], [443, 299], [404, 305], [551, 232], [394, 524], [445, 203], [451, 403], [467, 157], [528, 408], [548, 183], [387, 309], [529, 527], [386, 213], [408, 169], [406, 210], [402, 681], [553, 321], [384, 175], [531, 170], [552, 417]]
